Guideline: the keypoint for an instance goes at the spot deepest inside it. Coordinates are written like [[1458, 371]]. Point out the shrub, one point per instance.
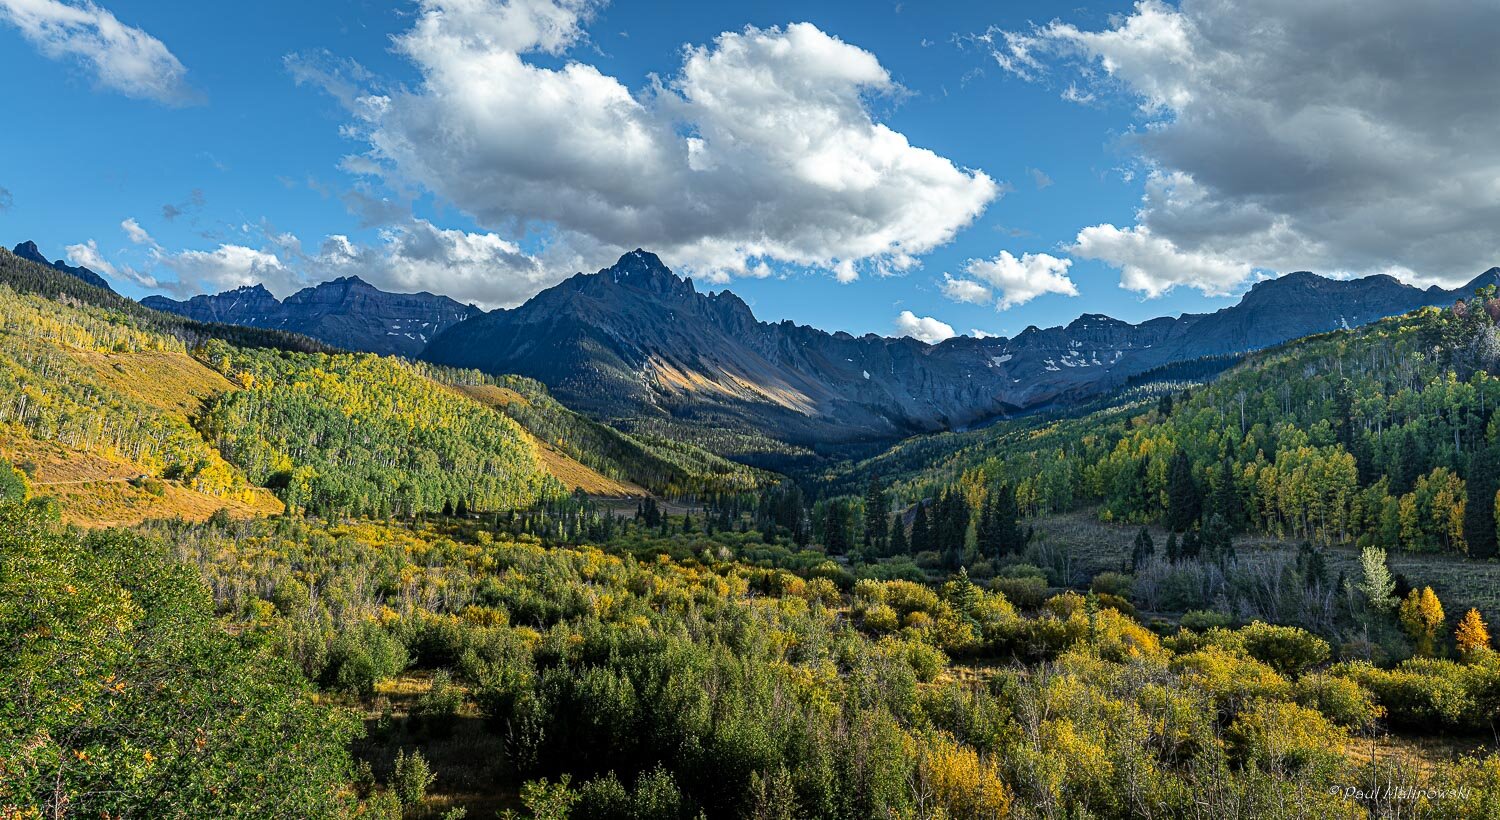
[[1115, 602], [870, 591], [881, 618], [1202, 620], [150, 485], [821, 591], [1065, 604], [1341, 700], [1112, 583], [1022, 571], [1286, 649], [363, 657], [412, 778], [926, 661], [1116, 637], [603, 798], [1232, 679], [436, 710], [1422, 692], [907, 597], [548, 801], [962, 783], [1027, 592], [1281, 737], [656, 796]]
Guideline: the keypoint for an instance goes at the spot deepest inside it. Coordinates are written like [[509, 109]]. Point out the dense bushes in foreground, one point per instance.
[[121, 696], [646, 687]]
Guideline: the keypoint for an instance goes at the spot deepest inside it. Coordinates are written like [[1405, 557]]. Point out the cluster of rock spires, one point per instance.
[[636, 340]]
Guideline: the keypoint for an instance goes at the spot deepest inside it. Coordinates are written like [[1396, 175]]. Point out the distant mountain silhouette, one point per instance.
[[346, 312], [29, 251]]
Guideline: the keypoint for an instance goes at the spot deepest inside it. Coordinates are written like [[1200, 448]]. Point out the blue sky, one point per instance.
[[234, 128]]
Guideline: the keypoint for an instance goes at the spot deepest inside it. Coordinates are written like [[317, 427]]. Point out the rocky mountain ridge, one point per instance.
[[636, 340], [347, 312]]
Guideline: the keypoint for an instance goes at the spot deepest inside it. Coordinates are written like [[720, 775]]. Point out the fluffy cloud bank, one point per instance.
[[417, 255], [410, 256], [121, 57], [923, 328], [761, 147], [1008, 281], [1340, 136]]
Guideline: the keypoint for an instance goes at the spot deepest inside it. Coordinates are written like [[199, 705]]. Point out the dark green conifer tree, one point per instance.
[[921, 533], [1143, 550], [1183, 504], [1480, 486], [877, 510]]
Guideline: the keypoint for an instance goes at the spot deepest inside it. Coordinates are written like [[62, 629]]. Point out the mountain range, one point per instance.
[[347, 312], [636, 340], [30, 252]]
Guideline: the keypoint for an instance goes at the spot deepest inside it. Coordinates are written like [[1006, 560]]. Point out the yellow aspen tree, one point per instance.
[[1473, 635], [1422, 616]]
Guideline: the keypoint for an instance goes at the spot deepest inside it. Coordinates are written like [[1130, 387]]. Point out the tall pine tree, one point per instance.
[[921, 532], [1009, 536], [877, 510], [897, 545], [1183, 504], [1479, 508], [1143, 550]]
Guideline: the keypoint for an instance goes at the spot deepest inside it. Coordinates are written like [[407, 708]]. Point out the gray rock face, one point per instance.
[[634, 339], [348, 313]]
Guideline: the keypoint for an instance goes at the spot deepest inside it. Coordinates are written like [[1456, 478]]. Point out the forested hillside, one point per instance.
[[118, 416], [1380, 436], [24, 276], [96, 406], [665, 466], [358, 434], [124, 414]]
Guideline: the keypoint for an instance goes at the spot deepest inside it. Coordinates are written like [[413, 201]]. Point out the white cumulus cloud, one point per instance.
[[471, 267], [1015, 280], [227, 267], [923, 328], [1343, 137], [1154, 265], [137, 234], [86, 254], [410, 256], [121, 57], [966, 290], [762, 146]]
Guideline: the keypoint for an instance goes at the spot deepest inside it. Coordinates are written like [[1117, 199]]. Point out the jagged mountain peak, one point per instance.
[[645, 270], [352, 280], [29, 251], [1093, 320]]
